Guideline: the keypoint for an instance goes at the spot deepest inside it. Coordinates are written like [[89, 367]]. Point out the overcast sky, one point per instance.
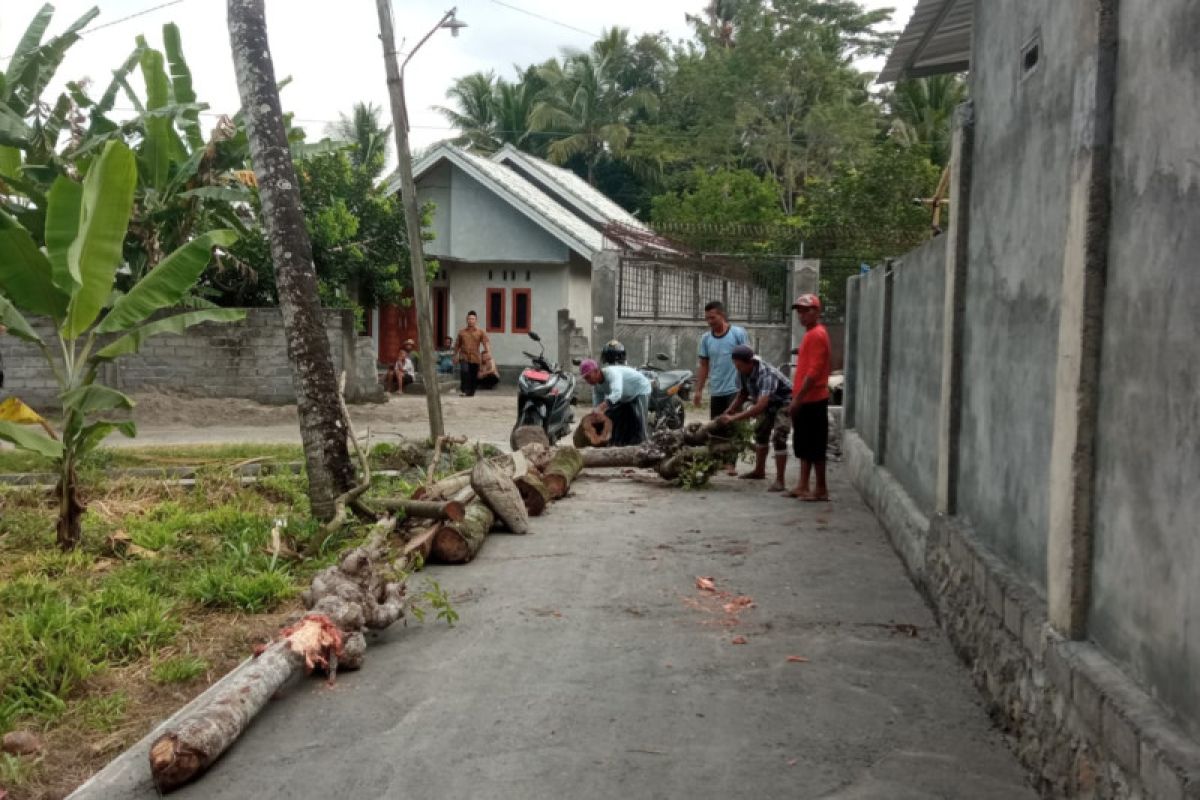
[[332, 50]]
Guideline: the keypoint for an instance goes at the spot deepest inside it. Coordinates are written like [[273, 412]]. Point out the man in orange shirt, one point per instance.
[[810, 399], [469, 347]]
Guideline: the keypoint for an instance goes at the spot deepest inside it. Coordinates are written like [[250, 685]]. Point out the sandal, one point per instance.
[[752, 476]]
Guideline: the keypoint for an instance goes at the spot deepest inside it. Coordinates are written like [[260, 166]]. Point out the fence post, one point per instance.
[[606, 291], [805, 277], [885, 365], [850, 370], [655, 290], [697, 301]]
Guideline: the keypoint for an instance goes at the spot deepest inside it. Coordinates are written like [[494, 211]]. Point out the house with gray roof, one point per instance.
[[515, 237]]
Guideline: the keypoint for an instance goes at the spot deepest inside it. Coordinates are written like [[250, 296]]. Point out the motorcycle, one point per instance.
[[545, 394], [669, 390]]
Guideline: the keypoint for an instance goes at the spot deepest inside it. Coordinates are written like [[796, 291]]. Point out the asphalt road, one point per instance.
[[587, 664]]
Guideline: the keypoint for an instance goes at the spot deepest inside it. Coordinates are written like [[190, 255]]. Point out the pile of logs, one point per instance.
[[365, 590]]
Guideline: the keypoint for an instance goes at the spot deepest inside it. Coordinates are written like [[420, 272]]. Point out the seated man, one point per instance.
[[772, 394], [402, 373], [623, 394], [445, 357], [488, 376]]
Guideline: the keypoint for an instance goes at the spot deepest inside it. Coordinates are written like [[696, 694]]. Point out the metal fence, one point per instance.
[[752, 288]]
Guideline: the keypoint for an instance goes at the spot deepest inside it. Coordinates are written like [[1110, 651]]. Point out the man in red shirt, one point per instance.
[[810, 399]]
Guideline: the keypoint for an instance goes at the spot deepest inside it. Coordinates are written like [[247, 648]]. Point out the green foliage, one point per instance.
[[697, 472], [178, 669], [433, 595], [733, 196]]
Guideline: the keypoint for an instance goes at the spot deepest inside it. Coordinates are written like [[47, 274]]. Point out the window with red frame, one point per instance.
[[495, 311], [522, 318]]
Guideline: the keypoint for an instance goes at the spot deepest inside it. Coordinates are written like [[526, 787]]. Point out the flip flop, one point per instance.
[[799, 495], [750, 476], [816, 498]]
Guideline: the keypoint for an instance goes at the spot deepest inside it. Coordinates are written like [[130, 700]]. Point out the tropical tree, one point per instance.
[[586, 112], [474, 111], [367, 136], [72, 282], [923, 114]]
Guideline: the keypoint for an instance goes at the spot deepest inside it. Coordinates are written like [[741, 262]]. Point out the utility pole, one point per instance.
[[412, 210]]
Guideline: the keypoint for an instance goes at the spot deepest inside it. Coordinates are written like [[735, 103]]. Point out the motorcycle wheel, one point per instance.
[[673, 416]]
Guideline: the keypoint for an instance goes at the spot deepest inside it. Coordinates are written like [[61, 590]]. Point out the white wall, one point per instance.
[[549, 292], [579, 293]]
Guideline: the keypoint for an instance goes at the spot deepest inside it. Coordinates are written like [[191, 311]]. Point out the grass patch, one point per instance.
[[178, 669], [14, 461]]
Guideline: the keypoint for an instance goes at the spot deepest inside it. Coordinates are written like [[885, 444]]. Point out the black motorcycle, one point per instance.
[[545, 395], [669, 390]]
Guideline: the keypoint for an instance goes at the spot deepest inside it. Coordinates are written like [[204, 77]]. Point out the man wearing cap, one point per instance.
[[809, 407], [623, 394], [772, 392]]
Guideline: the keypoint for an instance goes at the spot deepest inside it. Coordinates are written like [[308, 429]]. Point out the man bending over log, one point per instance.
[[773, 394], [623, 394]]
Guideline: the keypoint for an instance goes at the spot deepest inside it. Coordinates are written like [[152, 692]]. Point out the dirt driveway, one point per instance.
[[170, 419]]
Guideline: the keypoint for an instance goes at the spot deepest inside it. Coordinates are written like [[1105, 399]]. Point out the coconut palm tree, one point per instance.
[[474, 111], [923, 113], [365, 130]]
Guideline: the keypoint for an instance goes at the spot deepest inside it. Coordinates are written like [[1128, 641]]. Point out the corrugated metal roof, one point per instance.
[[937, 40], [575, 191], [523, 195]]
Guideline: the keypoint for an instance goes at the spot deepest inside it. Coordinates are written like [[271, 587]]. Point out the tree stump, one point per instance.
[[459, 542], [533, 492], [565, 465], [524, 435], [594, 430]]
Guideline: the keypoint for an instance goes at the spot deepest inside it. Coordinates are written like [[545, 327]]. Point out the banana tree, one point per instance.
[[71, 281]]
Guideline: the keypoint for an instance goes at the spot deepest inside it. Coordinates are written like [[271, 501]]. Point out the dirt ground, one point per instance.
[[174, 419]]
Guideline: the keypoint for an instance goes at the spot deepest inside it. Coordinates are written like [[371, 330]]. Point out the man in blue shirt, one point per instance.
[[623, 394], [716, 363]]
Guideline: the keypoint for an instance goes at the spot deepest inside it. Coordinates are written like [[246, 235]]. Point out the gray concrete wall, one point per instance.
[[681, 341], [1146, 568], [918, 288], [245, 359], [1019, 204], [869, 356]]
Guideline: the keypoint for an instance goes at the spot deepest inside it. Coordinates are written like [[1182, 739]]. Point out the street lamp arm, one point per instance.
[[446, 17]]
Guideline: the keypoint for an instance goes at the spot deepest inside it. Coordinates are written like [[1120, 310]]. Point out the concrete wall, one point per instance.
[[1146, 584], [247, 359], [1019, 206], [869, 356], [549, 292], [918, 288], [472, 223], [681, 341]]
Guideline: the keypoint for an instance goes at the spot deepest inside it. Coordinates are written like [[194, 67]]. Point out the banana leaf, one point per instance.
[[166, 283], [132, 341], [93, 434], [103, 219], [155, 155], [25, 272], [181, 84], [16, 323], [28, 440], [62, 224], [13, 130], [95, 398]]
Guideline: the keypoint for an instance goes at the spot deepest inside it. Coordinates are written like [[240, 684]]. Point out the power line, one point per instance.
[[544, 18], [134, 15]]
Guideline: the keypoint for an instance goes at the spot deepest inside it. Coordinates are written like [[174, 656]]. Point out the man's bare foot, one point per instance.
[[777, 486], [800, 493], [752, 476]]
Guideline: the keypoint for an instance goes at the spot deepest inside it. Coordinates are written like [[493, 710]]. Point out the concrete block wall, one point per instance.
[[1050, 515], [246, 359]]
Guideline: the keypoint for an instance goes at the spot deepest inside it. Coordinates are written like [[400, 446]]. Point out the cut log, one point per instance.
[[459, 542], [183, 752], [528, 434], [633, 456], [534, 493], [565, 465], [672, 467], [594, 430], [495, 487], [425, 509], [420, 544], [444, 488]]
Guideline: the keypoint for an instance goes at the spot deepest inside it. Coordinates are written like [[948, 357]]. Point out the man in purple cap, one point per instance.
[[623, 394], [772, 392]]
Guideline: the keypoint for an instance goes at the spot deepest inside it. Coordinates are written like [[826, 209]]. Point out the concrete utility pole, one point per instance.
[[412, 210]]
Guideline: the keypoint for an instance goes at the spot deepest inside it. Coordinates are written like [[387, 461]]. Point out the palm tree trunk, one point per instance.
[[322, 430]]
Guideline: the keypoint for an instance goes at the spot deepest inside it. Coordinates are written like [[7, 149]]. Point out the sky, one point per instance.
[[332, 51]]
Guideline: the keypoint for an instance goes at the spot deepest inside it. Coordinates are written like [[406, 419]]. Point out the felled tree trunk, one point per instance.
[[425, 509], [528, 434], [565, 465], [459, 542], [534, 493], [496, 488], [633, 456], [446, 487], [594, 430]]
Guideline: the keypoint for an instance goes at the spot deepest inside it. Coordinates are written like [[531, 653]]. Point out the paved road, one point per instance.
[[588, 665]]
